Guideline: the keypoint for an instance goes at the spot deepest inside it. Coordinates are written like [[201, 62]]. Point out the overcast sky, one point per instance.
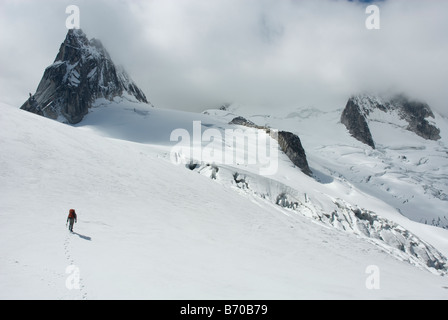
[[195, 54]]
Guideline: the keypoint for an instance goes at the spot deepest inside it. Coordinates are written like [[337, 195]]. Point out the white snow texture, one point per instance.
[[150, 229]]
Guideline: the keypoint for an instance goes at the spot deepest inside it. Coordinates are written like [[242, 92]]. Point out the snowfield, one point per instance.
[[406, 171], [150, 229]]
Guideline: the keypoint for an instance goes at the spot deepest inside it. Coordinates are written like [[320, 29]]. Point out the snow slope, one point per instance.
[[150, 229], [406, 171]]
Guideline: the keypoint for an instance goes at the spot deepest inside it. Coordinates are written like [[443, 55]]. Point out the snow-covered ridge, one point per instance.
[[400, 111], [389, 236], [405, 170]]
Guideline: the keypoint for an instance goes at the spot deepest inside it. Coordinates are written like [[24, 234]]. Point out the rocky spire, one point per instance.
[[361, 109], [354, 119], [81, 73]]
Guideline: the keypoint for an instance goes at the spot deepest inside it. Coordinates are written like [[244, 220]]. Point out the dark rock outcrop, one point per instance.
[[81, 73], [288, 142], [241, 121], [358, 113], [416, 114], [355, 121], [291, 145]]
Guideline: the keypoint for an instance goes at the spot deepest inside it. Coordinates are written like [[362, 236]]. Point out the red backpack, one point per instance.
[[72, 214]]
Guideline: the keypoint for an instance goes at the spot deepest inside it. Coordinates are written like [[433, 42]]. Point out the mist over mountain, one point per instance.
[[81, 73], [196, 55]]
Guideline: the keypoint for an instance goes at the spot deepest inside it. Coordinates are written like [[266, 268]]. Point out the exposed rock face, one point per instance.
[[360, 109], [355, 121], [81, 73], [244, 122], [292, 147], [289, 143], [416, 114]]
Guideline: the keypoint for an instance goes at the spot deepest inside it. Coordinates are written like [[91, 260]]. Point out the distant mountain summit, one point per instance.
[[81, 73], [400, 111]]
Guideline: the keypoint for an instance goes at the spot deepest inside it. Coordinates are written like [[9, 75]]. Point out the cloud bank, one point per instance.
[[195, 54]]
